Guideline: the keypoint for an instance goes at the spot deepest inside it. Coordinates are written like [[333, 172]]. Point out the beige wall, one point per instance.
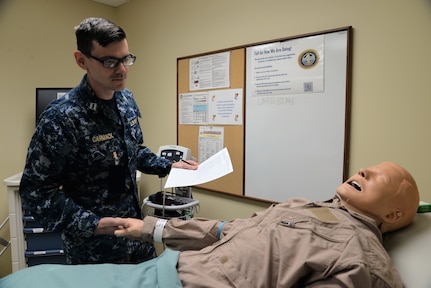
[[36, 50], [391, 94]]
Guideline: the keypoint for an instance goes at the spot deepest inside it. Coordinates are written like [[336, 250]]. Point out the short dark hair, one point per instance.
[[101, 30]]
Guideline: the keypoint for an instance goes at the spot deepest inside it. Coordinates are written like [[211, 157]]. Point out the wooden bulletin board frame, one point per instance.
[[235, 135]]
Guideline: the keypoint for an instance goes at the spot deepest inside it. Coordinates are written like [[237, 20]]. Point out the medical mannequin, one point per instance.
[[388, 194], [298, 243]]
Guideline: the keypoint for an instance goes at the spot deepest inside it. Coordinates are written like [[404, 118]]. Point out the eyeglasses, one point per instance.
[[112, 62]]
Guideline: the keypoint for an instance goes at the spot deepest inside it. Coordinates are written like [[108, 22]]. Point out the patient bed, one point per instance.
[[408, 248], [410, 251]]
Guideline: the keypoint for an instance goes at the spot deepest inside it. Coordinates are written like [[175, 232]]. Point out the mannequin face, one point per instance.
[[375, 192]]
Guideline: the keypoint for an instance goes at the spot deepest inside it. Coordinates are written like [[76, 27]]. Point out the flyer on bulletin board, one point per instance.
[[225, 107], [210, 72], [287, 67], [216, 107], [211, 140]]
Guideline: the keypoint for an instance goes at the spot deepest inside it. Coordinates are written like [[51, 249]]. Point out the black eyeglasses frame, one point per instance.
[[114, 62]]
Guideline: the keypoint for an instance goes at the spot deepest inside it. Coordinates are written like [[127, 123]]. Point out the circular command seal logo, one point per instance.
[[308, 59]]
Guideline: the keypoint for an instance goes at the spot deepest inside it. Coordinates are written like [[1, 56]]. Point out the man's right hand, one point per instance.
[[130, 228], [107, 225]]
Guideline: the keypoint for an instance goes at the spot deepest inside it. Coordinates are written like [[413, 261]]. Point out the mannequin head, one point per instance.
[[385, 192]]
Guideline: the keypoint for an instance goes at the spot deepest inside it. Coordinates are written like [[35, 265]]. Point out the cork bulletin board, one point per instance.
[[233, 134]]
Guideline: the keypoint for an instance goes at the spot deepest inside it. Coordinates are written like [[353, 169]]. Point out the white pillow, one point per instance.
[[410, 250]]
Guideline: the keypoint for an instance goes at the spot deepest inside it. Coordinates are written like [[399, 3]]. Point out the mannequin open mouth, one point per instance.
[[356, 185]]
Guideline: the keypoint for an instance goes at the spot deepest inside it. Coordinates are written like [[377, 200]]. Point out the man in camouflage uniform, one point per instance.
[[82, 160]]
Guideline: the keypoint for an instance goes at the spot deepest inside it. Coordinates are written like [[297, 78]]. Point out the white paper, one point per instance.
[[217, 107], [288, 67], [193, 108], [225, 107], [214, 167], [210, 71], [211, 141]]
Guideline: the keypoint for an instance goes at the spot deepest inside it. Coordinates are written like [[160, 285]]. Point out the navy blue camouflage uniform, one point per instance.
[[81, 166]]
